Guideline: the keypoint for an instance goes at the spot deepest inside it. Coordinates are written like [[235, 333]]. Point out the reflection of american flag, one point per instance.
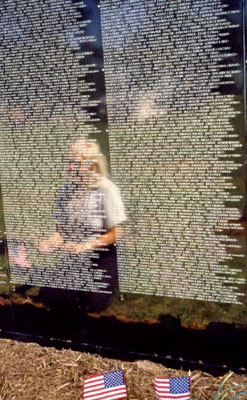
[[18, 253], [172, 388], [106, 386]]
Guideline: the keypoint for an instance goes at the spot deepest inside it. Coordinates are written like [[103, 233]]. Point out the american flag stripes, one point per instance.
[[172, 388], [108, 386], [18, 253]]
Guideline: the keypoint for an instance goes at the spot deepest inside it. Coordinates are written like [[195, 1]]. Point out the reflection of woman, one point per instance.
[[88, 214]]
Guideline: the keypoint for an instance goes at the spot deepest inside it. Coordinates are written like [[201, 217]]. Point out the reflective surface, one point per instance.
[[161, 89]]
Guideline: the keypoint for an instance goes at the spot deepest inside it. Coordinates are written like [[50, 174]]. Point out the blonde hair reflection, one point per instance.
[[90, 150]]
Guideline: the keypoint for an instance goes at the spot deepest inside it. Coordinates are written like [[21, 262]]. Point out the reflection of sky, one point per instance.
[[22, 28], [40, 71], [91, 12], [31, 28], [19, 26], [127, 7], [140, 22], [11, 30]]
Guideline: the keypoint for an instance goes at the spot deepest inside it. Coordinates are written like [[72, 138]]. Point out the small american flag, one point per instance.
[[108, 386], [172, 388], [18, 253]]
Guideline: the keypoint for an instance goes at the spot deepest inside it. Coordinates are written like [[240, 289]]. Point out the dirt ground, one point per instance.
[[29, 371]]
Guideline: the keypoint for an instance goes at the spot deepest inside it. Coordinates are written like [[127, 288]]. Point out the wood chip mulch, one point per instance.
[[29, 371]]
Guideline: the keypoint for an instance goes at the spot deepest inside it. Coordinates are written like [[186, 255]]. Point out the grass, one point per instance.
[[222, 392]]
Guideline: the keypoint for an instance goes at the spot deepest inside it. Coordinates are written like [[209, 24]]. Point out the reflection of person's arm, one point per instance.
[[108, 238], [51, 243], [102, 241]]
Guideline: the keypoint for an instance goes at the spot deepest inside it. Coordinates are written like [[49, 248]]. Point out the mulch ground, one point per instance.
[[29, 371]]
